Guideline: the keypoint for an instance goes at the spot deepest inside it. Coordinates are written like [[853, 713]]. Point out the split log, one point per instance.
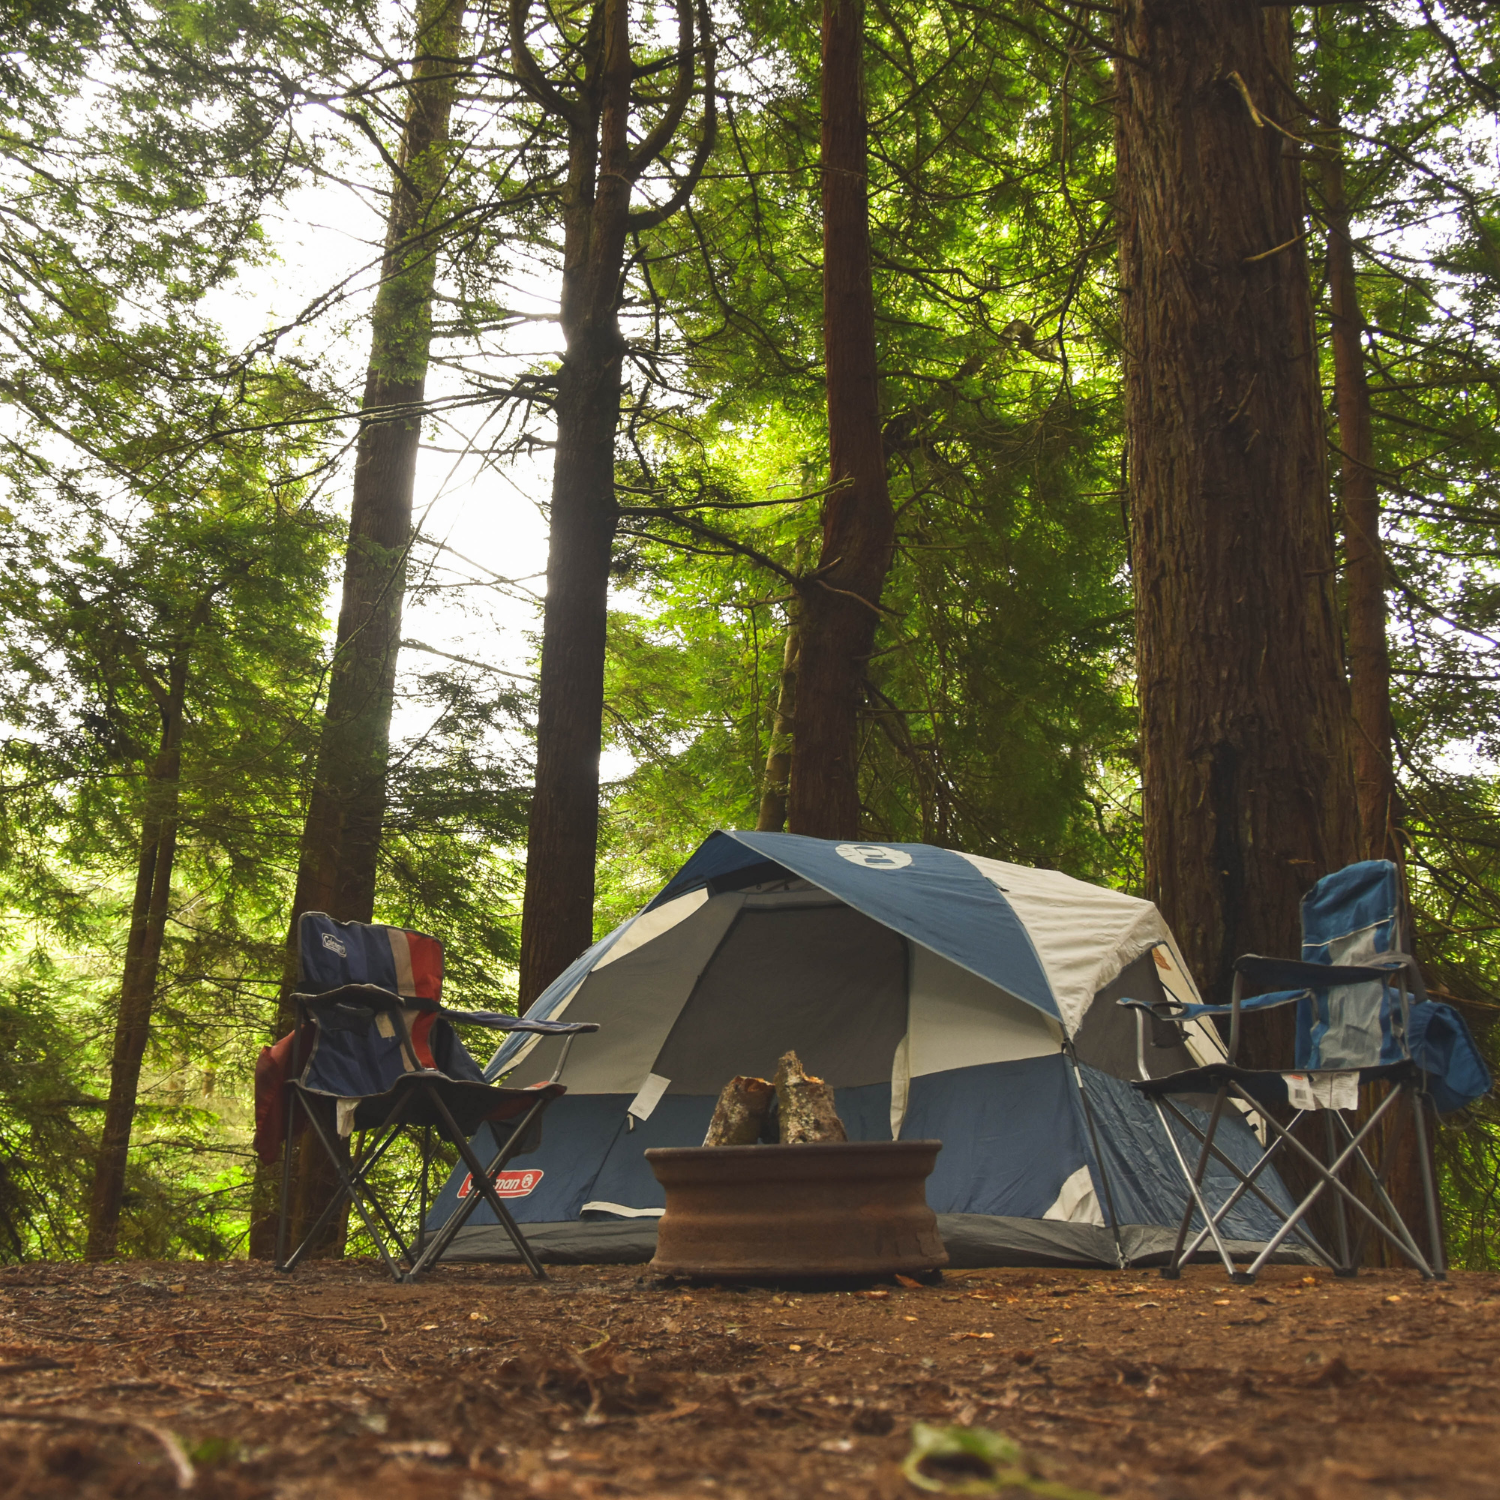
[[740, 1114], [805, 1106]]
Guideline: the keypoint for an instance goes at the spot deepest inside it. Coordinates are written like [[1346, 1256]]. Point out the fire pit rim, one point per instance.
[[821, 1208], [806, 1148]]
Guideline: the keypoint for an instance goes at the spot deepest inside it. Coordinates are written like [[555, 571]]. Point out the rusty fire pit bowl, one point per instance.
[[845, 1208]]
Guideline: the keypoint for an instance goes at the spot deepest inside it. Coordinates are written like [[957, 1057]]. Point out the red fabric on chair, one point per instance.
[[273, 1070]]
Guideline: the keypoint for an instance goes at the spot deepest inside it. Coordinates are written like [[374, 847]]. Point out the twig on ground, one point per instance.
[[187, 1476]]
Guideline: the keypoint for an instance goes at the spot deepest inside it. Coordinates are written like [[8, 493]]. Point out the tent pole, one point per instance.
[[1088, 1115]]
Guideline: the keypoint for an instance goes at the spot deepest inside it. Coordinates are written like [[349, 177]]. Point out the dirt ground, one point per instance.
[[232, 1383]]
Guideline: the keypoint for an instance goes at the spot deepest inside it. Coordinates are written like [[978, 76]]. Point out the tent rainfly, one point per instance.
[[945, 996]]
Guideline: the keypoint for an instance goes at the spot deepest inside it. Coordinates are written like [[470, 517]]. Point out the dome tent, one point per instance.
[[944, 996]]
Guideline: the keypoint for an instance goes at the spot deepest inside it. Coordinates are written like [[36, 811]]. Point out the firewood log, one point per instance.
[[805, 1106], [740, 1114]]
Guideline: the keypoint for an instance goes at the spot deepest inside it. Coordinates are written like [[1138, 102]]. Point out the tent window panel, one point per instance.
[[959, 1020], [636, 1001], [829, 984], [1106, 1040]]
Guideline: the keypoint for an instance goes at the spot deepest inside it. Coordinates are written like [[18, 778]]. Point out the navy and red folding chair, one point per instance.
[[375, 1050]]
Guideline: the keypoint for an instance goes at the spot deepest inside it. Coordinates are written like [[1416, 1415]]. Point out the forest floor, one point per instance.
[[229, 1382]]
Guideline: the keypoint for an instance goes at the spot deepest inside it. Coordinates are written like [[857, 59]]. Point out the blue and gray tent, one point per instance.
[[944, 996]]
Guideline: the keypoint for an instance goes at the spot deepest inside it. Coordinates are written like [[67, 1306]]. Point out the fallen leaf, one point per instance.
[[916, 1286], [682, 1409]]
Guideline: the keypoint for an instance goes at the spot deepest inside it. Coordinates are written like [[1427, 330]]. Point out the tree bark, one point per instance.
[[1380, 812], [1364, 553], [772, 816], [1248, 789], [840, 604], [341, 835], [148, 923], [558, 917]]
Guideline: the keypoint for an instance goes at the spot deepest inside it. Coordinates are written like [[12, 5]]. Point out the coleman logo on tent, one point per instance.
[[874, 856], [507, 1184], [333, 945]]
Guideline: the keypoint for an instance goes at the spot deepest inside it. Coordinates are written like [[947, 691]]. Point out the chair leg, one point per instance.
[[1388, 1159], [352, 1188], [1327, 1177], [1195, 1188], [460, 1215], [1429, 1189], [1247, 1184], [422, 1200], [331, 1207], [283, 1222], [1345, 1267], [1377, 1182], [483, 1184]]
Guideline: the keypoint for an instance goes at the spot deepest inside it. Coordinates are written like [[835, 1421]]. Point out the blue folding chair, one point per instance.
[[1363, 1016], [375, 1050]]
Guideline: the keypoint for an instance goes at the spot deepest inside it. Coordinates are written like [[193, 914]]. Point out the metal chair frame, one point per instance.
[[353, 1179], [1406, 1081]]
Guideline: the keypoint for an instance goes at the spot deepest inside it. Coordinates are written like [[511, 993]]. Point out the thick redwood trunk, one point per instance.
[[341, 836], [1248, 792], [840, 605], [1364, 553], [148, 924]]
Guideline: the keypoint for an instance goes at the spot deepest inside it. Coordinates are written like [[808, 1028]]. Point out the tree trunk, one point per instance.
[[840, 604], [1365, 631], [1364, 553], [772, 818], [1248, 790], [148, 922], [557, 922], [558, 919], [341, 836]]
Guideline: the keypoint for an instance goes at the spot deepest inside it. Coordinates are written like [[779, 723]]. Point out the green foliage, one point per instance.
[[999, 714]]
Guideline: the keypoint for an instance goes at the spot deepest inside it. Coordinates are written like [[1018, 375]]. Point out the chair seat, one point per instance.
[[1262, 1084], [470, 1104]]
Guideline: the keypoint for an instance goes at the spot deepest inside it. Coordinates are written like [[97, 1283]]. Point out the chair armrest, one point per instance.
[[371, 996], [496, 1021], [1293, 974]]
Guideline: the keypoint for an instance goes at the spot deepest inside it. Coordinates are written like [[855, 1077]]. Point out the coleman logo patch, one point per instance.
[[507, 1184], [874, 856], [333, 945]]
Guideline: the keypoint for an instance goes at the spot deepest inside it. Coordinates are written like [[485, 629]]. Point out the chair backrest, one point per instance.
[[1352, 917], [358, 1052], [332, 954]]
